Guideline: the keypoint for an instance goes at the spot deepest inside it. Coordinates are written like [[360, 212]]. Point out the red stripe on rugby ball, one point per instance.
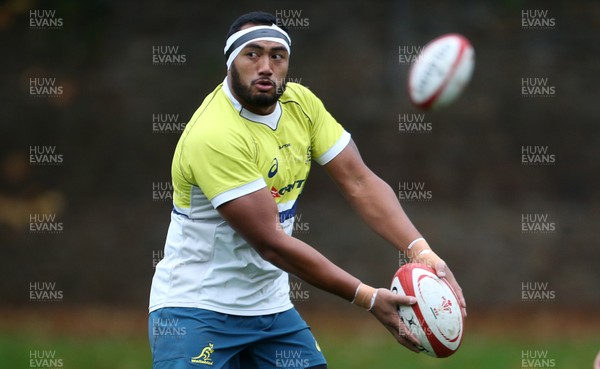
[[405, 277]]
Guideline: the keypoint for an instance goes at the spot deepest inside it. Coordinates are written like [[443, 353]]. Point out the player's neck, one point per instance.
[[255, 109]]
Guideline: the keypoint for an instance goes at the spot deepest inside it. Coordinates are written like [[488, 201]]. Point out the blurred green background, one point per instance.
[[80, 237]]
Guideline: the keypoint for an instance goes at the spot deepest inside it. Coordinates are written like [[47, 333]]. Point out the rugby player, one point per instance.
[[238, 171]]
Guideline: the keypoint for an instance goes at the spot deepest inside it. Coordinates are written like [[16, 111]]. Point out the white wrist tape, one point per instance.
[[414, 242], [365, 296]]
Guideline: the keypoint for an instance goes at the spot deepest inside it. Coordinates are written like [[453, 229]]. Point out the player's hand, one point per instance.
[[442, 271], [385, 310]]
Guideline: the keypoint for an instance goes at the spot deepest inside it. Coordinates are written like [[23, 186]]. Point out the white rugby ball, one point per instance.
[[436, 319], [441, 71]]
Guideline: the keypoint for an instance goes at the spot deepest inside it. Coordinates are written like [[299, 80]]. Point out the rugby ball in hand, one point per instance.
[[441, 71], [436, 319]]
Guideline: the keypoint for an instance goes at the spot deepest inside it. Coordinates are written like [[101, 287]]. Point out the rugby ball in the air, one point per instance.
[[441, 71], [436, 319]]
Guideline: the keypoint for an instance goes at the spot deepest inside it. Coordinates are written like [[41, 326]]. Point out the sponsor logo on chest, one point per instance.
[[287, 171]]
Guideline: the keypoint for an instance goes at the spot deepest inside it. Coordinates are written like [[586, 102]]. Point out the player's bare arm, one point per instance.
[[255, 218], [375, 201]]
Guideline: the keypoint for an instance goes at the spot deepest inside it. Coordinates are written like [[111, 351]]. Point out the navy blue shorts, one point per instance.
[[184, 338]]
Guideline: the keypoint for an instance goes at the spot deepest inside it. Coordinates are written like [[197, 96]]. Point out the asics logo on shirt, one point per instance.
[[274, 168]]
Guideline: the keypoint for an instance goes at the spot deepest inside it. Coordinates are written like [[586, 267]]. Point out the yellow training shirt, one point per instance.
[[226, 152]]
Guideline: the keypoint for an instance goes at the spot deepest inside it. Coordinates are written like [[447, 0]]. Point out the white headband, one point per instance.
[[236, 42]]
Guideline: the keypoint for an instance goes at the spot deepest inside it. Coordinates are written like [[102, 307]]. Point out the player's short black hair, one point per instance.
[[258, 17]]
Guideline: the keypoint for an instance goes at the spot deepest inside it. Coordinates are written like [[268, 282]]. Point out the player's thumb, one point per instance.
[[441, 269], [404, 300]]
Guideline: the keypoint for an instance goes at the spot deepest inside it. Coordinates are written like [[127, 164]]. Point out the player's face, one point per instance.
[[258, 75]]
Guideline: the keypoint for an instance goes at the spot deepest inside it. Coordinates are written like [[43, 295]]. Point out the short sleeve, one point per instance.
[[328, 137], [223, 165]]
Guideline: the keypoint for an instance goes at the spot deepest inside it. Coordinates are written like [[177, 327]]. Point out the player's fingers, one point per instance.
[[402, 335], [443, 271], [408, 344], [405, 337], [386, 310], [406, 334], [386, 296], [404, 300], [457, 289]]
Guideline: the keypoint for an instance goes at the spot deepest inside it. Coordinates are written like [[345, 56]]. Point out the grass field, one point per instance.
[[98, 340]]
